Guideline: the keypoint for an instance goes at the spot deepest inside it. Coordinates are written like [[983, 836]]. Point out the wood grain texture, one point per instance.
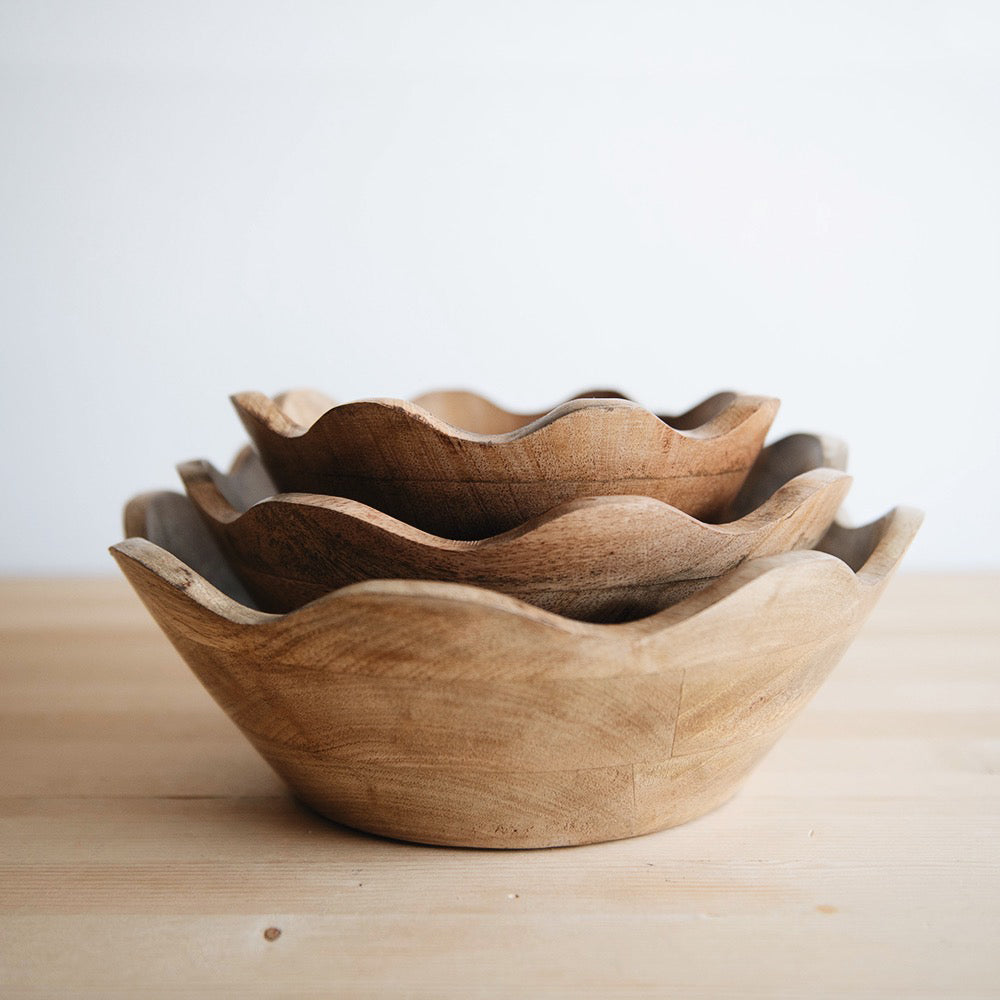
[[145, 849], [602, 559], [400, 458], [447, 714]]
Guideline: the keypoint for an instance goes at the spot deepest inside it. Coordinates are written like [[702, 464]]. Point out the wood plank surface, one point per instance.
[[146, 850]]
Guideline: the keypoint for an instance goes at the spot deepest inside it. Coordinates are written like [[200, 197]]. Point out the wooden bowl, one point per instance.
[[404, 460], [603, 559], [448, 714]]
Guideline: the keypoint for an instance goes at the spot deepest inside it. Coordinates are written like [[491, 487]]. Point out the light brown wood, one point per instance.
[[403, 460], [603, 559], [145, 849], [448, 714]]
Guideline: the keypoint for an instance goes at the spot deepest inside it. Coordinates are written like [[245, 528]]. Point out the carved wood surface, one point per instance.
[[406, 461], [448, 714], [601, 559]]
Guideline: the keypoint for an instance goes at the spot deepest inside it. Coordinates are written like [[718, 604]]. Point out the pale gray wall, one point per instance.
[[528, 198]]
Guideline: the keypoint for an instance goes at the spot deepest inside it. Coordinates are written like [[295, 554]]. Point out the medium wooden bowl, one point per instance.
[[447, 714], [604, 559], [404, 460]]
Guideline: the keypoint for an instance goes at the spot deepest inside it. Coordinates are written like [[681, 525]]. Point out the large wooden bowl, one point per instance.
[[602, 559], [449, 714], [408, 462]]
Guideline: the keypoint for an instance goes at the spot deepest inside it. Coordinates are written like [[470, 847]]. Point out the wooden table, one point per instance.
[[145, 848]]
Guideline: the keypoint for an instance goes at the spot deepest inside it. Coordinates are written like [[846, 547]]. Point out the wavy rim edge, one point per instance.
[[201, 481], [889, 537], [266, 413]]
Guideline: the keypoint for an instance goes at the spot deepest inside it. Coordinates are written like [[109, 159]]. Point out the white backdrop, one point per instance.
[[524, 198]]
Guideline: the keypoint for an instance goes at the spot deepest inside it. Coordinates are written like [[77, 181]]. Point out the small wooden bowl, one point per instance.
[[604, 559], [400, 458], [448, 714]]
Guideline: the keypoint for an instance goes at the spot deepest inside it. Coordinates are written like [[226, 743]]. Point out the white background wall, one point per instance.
[[800, 199]]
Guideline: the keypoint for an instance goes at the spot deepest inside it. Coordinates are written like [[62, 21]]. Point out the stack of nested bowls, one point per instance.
[[448, 623]]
